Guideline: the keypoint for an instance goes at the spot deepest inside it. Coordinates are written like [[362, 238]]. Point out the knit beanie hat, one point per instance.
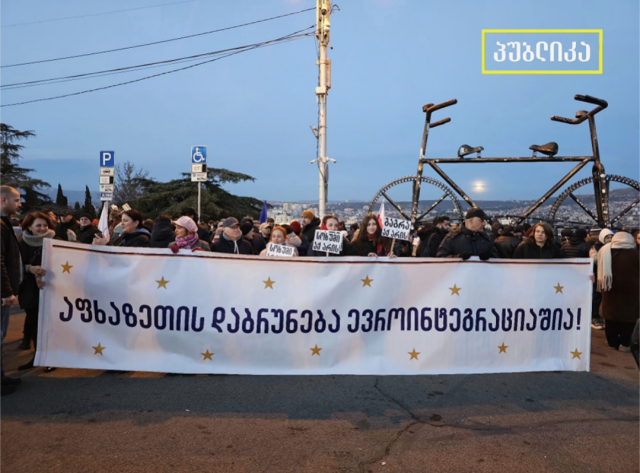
[[308, 214], [295, 226], [246, 227]]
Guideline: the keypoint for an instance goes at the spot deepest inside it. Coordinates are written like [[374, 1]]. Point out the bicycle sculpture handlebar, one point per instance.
[[581, 116]]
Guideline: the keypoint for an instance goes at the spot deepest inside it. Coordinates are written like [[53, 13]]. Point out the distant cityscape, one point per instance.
[[569, 212]]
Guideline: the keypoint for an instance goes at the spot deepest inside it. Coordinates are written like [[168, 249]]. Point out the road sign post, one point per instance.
[[107, 175], [199, 168]]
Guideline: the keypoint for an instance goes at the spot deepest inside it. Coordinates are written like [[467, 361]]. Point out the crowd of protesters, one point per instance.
[[616, 256]]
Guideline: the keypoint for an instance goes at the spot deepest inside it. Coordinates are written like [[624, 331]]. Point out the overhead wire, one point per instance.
[[290, 37], [97, 14], [119, 70], [157, 42]]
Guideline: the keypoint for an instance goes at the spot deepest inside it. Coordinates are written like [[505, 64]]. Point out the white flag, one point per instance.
[[103, 224]]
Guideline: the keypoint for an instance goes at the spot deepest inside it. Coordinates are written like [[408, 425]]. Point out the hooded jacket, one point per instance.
[[464, 241]]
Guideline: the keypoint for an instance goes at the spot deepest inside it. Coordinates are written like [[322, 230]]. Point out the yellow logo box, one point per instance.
[[542, 47]]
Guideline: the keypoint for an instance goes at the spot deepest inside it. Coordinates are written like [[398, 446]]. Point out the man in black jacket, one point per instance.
[[434, 236], [11, 267], [86, 230], [68, 228], [507, 242], [470, 240], [231, 240]]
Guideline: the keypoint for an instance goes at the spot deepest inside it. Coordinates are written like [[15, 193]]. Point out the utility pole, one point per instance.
[[323, 11]]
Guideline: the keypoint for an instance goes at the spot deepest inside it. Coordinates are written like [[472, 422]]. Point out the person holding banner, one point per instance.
[[331, 223], [369, 241], [133, 233], [619, 283], [35, 228], [540, 245], [186, 233], [469, 240], [279, 237]]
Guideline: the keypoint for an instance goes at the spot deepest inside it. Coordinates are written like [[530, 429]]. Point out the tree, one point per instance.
[[77, 207], [171, 197], [15, 176], [61, 200], [126, 185], [88, 205]]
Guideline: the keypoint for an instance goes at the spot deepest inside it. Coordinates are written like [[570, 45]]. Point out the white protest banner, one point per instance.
[[279, 250], [147, 309], [397, 228], [327, 241]]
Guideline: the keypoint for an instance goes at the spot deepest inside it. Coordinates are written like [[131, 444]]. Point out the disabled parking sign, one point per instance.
[[198, 155]]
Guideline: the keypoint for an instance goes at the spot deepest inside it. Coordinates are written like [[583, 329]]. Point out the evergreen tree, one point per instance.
[[88, 205], [77, 207], [171, 197], [16, 176], [61, 200]]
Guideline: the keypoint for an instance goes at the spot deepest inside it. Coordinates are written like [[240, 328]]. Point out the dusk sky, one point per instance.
[[254, 110]]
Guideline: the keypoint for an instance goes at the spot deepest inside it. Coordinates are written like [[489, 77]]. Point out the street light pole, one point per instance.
[[323, 11]]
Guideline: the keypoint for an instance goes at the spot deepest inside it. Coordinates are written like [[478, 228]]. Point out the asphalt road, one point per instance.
[[99, 421]]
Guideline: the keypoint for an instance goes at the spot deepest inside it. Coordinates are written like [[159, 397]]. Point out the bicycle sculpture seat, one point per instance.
[[464, 150], [550, 149]]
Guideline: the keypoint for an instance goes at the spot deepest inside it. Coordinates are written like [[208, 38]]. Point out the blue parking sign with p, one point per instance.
[[198, 155], [107, 159]]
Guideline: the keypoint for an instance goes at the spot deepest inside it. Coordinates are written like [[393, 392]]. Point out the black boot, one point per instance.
[[27, 365], [25, 344]]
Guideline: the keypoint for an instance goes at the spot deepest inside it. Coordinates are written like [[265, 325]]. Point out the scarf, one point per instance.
[[622, 241], [187, 242], [36, 240], [235, 243], [379, 247]]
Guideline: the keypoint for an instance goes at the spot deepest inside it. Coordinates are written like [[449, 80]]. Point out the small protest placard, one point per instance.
[[279, 250], [327, 241], [396, 228]]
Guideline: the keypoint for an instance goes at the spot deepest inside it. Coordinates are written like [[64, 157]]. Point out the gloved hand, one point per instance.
[[465, 256], [485, 256], [197, 248], [174, 248]]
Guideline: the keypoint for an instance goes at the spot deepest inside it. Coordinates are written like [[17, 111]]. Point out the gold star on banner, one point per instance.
[[66, 268], [576, 354], [503, 348], [559, 288], [162, 282], [414, 354], [207, 355], [366, 281], [455, 290], [315, 350], [98, 349], [268, 283]]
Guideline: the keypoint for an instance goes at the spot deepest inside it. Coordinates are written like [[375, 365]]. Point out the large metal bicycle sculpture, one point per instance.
[[602, 216]]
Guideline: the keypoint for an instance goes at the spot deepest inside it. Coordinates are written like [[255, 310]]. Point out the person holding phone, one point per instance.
[[133, 233]]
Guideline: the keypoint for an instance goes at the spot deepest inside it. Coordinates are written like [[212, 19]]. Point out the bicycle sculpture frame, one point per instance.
[[598, 177]]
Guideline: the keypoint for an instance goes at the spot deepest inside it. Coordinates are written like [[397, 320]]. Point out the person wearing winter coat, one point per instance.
[[296, 229], [163, 232], [369, 240], [310, 223], [604, 237], [540, 245], [619, 282], [86, 229], [279, 237], [36, 227], [186, 236], [431, 237], [230, 240], [68, 227], [469, 240], [507, 242], [133, 233], [576, 246], [331, 223]]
